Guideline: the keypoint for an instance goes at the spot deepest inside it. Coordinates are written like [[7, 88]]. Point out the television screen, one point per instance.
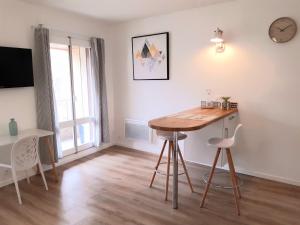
[[15, 67]]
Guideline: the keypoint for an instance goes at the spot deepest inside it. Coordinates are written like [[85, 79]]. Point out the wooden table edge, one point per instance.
[[193, 128]]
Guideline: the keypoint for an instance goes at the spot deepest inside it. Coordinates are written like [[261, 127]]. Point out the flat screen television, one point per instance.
[[15, 67]]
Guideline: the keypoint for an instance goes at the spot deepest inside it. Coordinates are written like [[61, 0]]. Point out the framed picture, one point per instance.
[[150, 57]]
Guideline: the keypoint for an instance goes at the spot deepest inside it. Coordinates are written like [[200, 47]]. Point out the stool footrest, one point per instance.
[[162, 171], [219, 185]]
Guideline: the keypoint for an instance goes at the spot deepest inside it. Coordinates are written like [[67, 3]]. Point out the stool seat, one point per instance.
[[166, 135], [224, 144], [221, 142]]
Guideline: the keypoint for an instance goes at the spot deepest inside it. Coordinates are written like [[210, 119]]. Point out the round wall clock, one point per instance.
[[283, 30]]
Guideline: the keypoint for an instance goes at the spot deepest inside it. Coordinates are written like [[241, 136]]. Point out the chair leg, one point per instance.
[[236, 177], [168, 170], [158, 162], [43, 175], [210, 177], [238, 187], [185, 170], [37, 169], [27, 177], [233, 178], [16, 186]]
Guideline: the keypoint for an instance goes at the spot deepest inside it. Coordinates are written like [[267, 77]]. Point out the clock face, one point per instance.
[[283, 30]]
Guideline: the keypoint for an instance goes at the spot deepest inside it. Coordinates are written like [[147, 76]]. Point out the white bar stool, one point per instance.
[[24, 156], [169, 137], [224, 144]]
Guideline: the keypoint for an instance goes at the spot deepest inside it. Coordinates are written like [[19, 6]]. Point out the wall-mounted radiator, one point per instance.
[[137, 130]]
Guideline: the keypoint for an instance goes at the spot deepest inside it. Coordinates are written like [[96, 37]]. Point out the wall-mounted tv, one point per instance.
[[15, 67]]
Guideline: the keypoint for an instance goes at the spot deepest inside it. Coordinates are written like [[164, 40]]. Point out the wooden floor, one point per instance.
[[111, 188]]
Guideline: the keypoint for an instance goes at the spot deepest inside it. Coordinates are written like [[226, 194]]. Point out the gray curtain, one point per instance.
[[45, 104], [100, 95]]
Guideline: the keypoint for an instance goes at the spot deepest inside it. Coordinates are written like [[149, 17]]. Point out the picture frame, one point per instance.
[[150, 56]]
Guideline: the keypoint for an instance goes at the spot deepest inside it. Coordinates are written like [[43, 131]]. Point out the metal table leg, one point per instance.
[[175, 172]]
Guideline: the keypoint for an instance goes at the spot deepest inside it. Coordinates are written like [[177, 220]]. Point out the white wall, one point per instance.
[[16, 21], [261, 75]]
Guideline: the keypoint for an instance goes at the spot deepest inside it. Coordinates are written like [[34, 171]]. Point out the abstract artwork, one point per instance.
[[150, 56]]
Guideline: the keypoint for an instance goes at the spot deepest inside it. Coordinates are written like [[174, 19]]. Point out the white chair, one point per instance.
[[24, 156], [224, 144], [169, 137]]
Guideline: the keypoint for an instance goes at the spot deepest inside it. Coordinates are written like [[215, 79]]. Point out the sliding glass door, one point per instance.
[[74, 102]]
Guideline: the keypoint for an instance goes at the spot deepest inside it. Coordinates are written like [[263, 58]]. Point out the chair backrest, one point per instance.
[[235, 132], [24, 154]]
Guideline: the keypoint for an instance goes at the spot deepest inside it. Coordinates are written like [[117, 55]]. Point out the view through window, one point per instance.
[[73, 98]]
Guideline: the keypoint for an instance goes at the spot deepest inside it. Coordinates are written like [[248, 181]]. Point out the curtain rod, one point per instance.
[[64, 33]]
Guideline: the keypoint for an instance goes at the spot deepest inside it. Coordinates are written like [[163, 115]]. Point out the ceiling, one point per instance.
[[124, 10]]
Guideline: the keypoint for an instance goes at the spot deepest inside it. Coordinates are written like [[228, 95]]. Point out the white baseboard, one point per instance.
[[255, 174], [22, 176], [150, 150], [81, 154], [269, 176], [239, 170], [63, 161]]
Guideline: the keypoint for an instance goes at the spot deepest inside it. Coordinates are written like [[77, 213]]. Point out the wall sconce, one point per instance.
[[218, 40]]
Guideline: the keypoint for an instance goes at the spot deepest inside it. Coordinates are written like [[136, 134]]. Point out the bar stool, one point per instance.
[[224, 144], [168, 137]]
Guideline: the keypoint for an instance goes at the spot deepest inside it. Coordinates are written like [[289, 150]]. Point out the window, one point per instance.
[[72, 93]]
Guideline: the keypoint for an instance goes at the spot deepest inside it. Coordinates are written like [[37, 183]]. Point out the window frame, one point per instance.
[[75, 122]]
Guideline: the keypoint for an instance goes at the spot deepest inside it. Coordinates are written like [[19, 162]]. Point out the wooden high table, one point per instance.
[[189, 120]]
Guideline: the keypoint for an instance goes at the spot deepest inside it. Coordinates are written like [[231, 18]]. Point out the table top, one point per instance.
[[7, 139], [189, 120]]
